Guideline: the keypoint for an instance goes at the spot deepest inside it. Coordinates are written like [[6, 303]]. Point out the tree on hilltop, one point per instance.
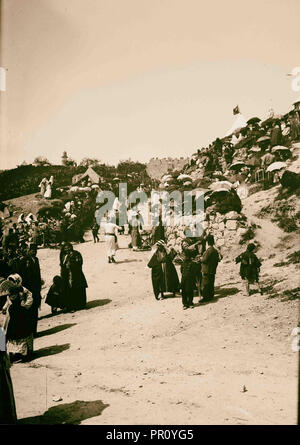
[[40, 161], [66, 161], [90, 162]]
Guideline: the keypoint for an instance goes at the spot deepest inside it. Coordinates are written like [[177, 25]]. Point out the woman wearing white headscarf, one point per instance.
[[18, 323], [42, 186], [48, 192]]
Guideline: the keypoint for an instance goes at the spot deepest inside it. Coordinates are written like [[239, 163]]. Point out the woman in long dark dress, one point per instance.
[[158, 232], [31, 277], [8, 413], [163, 272], [73, 280], [18, 322]]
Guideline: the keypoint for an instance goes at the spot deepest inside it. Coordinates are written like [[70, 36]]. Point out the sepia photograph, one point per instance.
[[149, 215]]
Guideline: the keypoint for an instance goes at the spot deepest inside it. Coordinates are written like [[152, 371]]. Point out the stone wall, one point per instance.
[[156, 167], [227, 230]]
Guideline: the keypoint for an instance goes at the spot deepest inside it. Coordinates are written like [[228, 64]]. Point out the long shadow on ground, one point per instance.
[[225, 292], [220, 293], [96, 303], [69, 413], [129, 261], [50, 350], [56, 329]]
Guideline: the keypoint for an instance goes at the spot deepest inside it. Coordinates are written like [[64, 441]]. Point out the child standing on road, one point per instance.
[[54, 296], [250, 267]]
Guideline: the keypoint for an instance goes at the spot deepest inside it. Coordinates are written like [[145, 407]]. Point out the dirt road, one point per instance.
[[129, 359]]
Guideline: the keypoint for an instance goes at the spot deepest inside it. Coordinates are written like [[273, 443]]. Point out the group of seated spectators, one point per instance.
[[253, 146]]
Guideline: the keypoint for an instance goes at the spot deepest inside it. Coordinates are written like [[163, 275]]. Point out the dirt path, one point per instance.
[[129, 359]]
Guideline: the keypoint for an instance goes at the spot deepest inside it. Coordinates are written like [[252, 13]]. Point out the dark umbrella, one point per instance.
[[253, 120], [280, 148], [263, 139], [236, 165]]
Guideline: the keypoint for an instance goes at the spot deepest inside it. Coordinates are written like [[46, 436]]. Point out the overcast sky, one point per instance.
[[115, 79]]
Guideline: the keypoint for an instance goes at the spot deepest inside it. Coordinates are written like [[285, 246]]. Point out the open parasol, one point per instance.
[[263, 139], [276, 166], [280, 148], [184, 177], [166, 178], [236, 165], [255, 149], [220, 190]]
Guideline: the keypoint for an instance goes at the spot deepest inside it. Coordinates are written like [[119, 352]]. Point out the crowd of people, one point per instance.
[[250, 148], [21, 283], [20, 274], [199, 262], [43, 229]]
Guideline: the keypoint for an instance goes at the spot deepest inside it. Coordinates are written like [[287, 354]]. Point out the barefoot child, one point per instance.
[[250, 267]]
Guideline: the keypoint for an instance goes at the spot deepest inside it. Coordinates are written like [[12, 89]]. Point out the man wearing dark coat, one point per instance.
[[209, 261], [276, 135], [192, 249], [158, 232], [31, 278]]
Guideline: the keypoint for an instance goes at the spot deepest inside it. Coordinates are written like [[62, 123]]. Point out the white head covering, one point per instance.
[[15, 278]]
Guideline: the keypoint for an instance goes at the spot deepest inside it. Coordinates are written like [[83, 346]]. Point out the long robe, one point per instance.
[[158, 233], [135, 237], [31, 278], [210, 262], [19, 324], [188, 281], [163, 273], [8, 414], [74, 281]]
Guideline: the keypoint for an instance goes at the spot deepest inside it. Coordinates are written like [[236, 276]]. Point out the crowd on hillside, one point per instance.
[[251, 148]]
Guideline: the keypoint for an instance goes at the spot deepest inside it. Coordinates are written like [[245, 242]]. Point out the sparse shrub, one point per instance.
[[287, 224], [250, 234], [294, 257]]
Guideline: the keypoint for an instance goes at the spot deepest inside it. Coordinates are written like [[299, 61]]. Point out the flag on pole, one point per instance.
[[236, 110]]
